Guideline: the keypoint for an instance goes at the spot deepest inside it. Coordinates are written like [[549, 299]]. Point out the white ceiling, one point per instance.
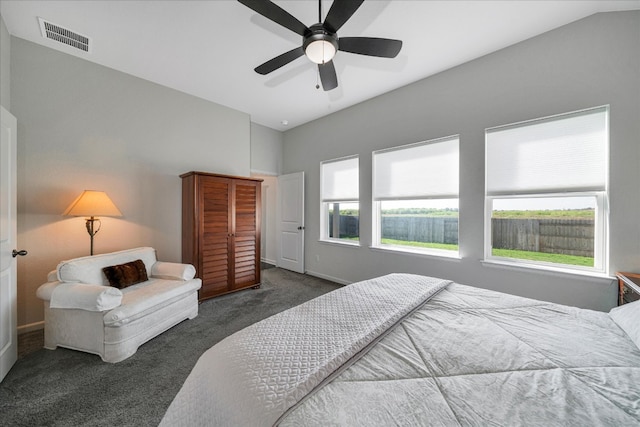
[[210, 48]]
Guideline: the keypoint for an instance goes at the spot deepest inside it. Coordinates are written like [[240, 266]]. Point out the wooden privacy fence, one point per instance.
[[420, 229], [557, 236], [349, 226]]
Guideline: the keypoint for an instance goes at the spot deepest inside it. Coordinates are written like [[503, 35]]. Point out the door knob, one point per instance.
[[15, 253], [300, 228]]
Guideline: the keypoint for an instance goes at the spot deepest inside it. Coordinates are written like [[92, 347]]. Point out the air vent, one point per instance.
[[63, 35]]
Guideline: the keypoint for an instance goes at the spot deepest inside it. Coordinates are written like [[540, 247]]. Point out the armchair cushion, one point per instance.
[[138, 300], [122, 275], [85, 297]]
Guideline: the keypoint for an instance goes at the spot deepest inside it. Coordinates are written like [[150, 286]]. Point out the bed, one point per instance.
[[412, 350]]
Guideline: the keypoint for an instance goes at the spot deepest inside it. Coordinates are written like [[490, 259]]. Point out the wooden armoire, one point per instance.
[[221, 231]]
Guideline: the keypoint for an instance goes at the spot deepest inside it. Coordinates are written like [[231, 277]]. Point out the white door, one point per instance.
[[8, 307], [290, 214]]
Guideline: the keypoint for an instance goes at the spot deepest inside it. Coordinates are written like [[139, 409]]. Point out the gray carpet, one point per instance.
[[70, 388]]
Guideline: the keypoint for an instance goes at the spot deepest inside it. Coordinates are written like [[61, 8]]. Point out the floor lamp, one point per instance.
[[92, 204]]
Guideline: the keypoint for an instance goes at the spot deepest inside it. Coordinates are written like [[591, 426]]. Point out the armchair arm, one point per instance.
[[52, 276], [44, 291], [84, 296], [173, 271]]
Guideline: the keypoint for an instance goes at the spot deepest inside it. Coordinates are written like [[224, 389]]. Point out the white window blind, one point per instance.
[[559, 154], [340, 180], [427, 170]]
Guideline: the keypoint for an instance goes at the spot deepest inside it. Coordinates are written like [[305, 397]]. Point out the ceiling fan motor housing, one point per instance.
[[319, 35]]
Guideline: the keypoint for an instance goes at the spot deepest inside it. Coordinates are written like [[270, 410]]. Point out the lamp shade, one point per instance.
[[92, 203]]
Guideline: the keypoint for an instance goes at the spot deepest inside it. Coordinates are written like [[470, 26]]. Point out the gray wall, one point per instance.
[[591, 62], [5, 67], [268, 242], [266, 163], [85, 126], [266, 150]]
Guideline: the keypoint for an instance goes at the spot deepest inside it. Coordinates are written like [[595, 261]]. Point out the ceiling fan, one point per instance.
[[320, 42]]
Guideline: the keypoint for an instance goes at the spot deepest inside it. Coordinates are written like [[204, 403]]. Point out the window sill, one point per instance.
[[430, 254], [545, 268], [349, 243]]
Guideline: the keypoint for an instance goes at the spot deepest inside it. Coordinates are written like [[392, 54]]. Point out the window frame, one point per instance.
[[601, 218], [325, 210], [376, 224]]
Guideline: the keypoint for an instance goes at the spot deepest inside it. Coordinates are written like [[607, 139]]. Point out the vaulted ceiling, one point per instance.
[[210, 48]]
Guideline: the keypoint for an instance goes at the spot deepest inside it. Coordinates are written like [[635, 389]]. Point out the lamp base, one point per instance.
[[90, 224]]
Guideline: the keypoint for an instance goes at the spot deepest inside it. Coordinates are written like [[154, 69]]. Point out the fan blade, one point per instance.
[[328, 76], [340, 12], [279, 61], [384, 48], [275, 13]]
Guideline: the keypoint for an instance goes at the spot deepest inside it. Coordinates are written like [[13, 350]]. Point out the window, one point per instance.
[[340, 205], [415, 197], [546, 191]]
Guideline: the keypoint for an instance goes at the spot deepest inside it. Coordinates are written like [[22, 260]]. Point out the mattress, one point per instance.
[[433, 353]]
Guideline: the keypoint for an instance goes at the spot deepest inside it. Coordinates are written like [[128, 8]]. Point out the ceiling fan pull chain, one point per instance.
[[317, 77]]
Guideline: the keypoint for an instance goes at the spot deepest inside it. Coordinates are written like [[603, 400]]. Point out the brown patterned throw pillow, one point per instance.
[[123, 275]]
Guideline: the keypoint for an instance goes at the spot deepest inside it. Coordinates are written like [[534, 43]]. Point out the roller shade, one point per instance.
[[427, 170], [340, 180], [559, 154]]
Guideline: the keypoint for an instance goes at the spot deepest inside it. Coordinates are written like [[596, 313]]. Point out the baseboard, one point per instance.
[[23, 329], [268, 261], [326, 277]]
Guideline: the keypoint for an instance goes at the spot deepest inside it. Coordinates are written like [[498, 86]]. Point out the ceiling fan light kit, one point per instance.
[[320, 42], [320, 46]]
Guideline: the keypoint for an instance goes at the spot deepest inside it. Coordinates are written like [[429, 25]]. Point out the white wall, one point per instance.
[[85, 126], [592, 62]]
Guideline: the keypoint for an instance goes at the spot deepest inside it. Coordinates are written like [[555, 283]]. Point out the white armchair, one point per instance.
[[83, 312]]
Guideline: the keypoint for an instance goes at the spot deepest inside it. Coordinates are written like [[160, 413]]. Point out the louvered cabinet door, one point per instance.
[[216, 242], [246, 234]]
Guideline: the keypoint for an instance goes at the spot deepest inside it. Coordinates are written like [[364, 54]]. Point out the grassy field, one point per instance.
[[544, 257], [431, 214], [444, 246], [452, 213], [549, 214], [507, 253]]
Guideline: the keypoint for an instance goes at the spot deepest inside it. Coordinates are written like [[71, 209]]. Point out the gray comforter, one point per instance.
[[253, 376], [465, 357]]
